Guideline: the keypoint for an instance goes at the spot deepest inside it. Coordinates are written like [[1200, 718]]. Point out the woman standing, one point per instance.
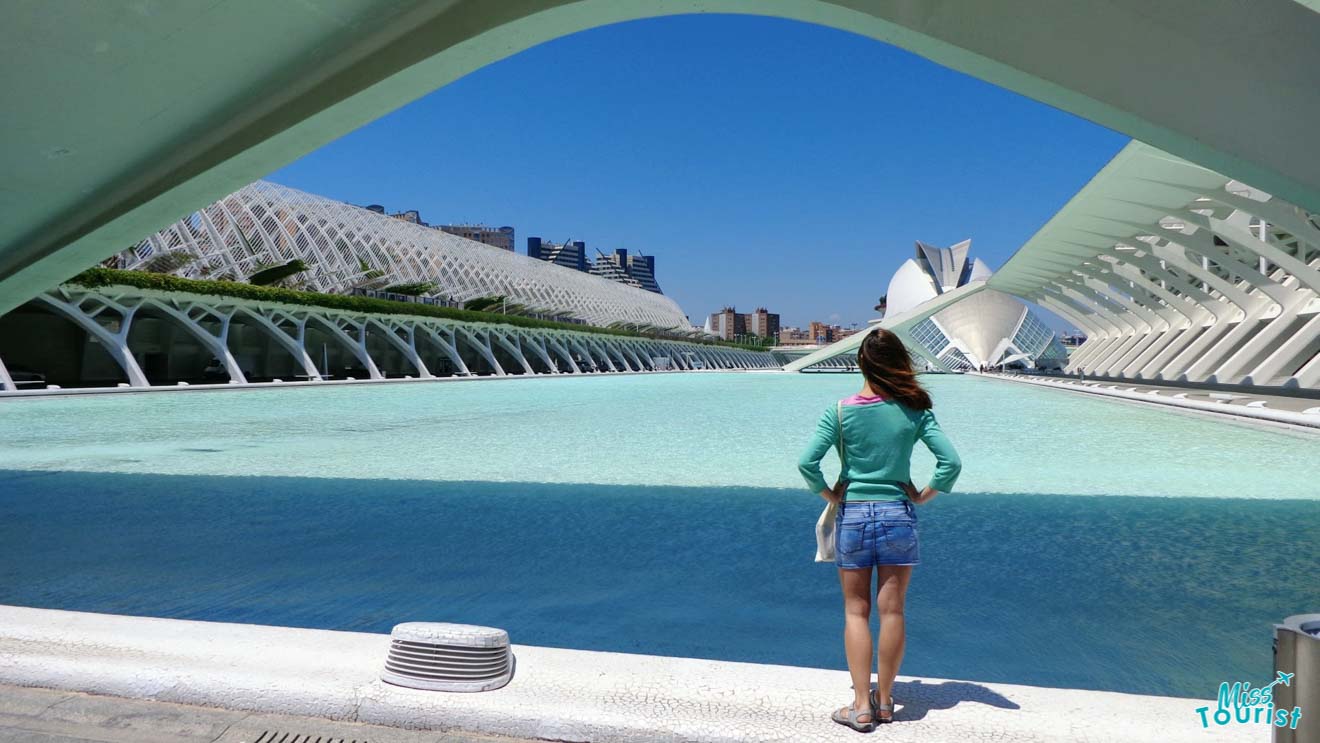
[[875, 431]]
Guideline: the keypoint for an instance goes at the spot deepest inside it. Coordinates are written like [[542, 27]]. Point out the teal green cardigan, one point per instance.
[[878, 436]]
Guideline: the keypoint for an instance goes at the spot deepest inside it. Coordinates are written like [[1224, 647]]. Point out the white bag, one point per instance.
[[825, 533], [825, 524]]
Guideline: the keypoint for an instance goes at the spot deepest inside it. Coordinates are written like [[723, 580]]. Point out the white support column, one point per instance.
[[358, 345], [6, 381], [1241, 237], [295, 346], [448, 344], [574, 343], [637, 360], [1309, 375], [556, 343], [537, 344], [216, 346], [482, 345], [1291, 352], [512, 348], [408, 348], [116, 344], [613, 347], [593, 343]]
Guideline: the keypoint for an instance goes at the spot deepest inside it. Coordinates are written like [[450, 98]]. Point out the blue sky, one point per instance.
[[762, 161]]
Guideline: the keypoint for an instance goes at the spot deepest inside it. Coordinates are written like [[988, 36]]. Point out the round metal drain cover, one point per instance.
[[439, 656]]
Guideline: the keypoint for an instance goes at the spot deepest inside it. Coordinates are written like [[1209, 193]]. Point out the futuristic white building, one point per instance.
[[1176, 273], [988, 328], [1179, 273], [346, 247]]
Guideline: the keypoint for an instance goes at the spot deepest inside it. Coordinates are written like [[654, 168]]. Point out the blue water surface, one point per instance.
[[566, 512]]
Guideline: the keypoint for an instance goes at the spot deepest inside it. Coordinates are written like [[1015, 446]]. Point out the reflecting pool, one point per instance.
[[1093, 544]]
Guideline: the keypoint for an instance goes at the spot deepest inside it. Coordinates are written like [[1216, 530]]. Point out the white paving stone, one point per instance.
[[571, 695]]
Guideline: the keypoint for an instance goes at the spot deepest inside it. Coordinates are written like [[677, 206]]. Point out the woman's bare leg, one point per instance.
[[893, 582], [856, 583]]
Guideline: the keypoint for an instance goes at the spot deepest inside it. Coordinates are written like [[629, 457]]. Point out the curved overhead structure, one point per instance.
[[345, 247], [163, 107], [1179, 273]]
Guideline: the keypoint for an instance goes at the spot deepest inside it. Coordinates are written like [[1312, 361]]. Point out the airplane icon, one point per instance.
[[1284, 678]]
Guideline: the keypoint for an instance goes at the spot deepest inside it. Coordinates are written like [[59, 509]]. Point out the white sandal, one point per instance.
[[851, 719], [877, 707]]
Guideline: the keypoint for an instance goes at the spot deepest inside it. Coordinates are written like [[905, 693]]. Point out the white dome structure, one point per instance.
[[986, 329]]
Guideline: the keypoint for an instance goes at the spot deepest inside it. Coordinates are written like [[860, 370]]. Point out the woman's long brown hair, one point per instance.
[[885, 363]]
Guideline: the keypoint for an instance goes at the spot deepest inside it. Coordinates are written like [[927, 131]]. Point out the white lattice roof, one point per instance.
[[265, 224]]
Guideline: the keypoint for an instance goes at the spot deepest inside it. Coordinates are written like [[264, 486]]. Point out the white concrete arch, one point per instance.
[[217, 345], [1145, 72], [336, 326], [294, 345], [116, 343], [445, 338], [480, 342], [406, 345]]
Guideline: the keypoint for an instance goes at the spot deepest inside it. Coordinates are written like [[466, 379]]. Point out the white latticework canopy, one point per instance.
[[347, 247]]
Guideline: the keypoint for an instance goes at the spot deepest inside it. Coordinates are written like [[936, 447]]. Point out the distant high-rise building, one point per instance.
[[613, 267], [499, 237], [642, 269], [728, 323], [412, 216], [763, 323], [570, 254], [632, 270], [795, 337], [823, 333], [820, 333]]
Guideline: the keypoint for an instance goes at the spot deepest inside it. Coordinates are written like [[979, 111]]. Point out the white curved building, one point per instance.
[[988, 328], [1178, 273], [347, 247]]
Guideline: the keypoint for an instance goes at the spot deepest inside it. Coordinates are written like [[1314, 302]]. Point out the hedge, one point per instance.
[[99, 277]]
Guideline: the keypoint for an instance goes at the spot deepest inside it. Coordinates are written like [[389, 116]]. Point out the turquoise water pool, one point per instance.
[[1093, 544]]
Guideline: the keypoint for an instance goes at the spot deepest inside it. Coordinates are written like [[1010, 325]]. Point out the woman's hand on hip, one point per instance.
[[926, 495]]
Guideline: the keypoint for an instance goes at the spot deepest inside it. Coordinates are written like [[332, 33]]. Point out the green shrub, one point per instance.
[[268, 276], [411, 290], [98, 277]]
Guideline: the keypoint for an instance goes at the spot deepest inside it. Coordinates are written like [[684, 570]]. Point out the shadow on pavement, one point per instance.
[[916, 698]]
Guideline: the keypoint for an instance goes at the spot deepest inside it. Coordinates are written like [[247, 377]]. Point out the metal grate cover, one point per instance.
[[448, 657], [279, 736]]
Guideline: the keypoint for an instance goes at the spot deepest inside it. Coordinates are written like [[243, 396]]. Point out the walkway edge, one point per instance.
[[558, 694], [1125, 391]]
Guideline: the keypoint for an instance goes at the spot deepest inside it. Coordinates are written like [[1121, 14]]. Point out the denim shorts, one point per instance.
[[870, 533]]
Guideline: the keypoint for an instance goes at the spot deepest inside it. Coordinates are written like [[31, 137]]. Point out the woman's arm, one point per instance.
[[947, 462], [826, 434]]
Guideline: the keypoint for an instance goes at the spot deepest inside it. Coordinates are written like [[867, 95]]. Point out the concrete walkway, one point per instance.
[[50, 716], [1293, 411], [556, 694]]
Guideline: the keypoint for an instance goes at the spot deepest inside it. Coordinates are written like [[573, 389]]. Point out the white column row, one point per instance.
[[108, 314], [1223, 291]]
